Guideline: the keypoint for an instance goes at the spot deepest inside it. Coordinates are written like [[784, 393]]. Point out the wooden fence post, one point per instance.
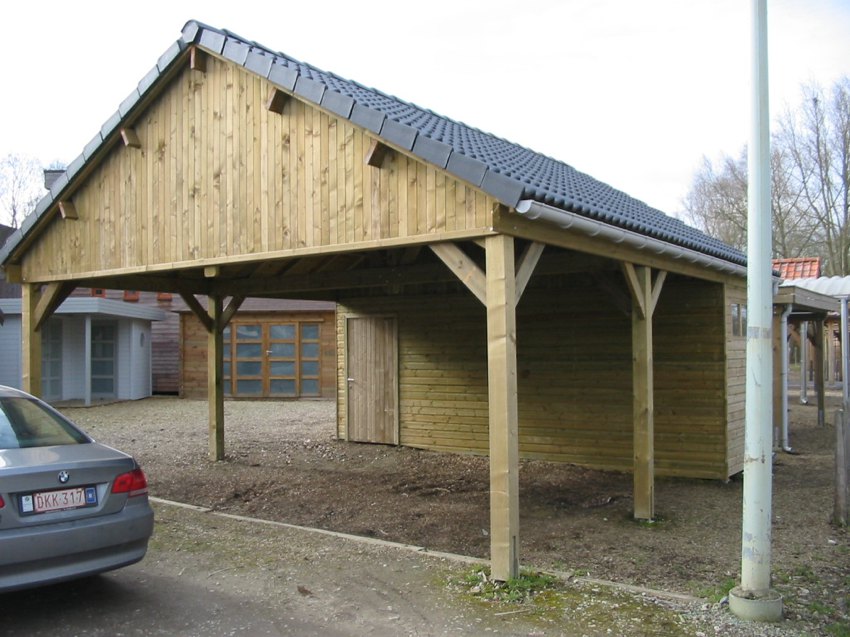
[[842, 469]]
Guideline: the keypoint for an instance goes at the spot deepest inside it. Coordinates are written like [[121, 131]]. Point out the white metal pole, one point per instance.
[[754, 598], [845, 357]]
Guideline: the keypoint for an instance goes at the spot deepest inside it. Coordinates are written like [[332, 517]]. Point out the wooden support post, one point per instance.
[[215, 379], [645, 294], [778, 351], [841, 515], [643, 400], [30, 339], [820, 388], [503, 411]]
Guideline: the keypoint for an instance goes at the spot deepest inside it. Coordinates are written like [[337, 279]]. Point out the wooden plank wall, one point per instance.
[[218, 175], [690, 379], [574, 368], [193, 372], [736, 367]]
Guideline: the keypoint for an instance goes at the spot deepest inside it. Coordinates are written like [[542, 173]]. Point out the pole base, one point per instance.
[[765, 607]]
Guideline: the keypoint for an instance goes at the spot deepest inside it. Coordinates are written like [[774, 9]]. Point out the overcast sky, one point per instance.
[[633, 92]]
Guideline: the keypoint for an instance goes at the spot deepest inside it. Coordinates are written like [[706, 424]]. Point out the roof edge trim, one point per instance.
[[569, 220]]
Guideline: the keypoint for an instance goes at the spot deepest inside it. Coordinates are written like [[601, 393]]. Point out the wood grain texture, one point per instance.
[[217, 175]]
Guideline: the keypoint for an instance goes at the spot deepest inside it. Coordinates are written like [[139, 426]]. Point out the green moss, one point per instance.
[[575, 607]]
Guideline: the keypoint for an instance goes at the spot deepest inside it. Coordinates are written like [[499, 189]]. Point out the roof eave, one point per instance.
[[569, 220]]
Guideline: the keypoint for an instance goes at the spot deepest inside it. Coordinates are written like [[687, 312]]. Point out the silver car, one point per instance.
[[69, 507]]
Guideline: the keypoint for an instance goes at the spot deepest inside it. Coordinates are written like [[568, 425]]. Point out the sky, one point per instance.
[[632, 92]]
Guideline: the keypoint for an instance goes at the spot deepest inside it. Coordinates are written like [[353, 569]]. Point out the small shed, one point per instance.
[[491, 299], [272, 349], [92, 349]]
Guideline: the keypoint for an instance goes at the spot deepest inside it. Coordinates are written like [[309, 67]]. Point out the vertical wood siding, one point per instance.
[[736, 366], [218, 175], [574, 367]]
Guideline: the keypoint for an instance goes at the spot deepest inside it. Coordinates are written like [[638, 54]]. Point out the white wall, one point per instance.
[[10, 352], [73, 357], [132, 364]]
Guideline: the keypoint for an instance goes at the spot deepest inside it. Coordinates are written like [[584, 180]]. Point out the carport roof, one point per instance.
[[507, 171]]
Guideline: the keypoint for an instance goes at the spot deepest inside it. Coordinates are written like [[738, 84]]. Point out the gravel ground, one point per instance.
[[284, 464]]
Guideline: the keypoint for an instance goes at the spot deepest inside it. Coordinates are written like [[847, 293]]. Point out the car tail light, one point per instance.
[[133, 483], [2, 504]]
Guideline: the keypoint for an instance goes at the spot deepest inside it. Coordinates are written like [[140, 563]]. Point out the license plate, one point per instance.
[[44, 501]]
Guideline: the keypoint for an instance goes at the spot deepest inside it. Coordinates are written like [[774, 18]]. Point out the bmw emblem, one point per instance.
[[64, 477]]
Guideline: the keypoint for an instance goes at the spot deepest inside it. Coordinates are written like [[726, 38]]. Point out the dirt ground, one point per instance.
[[283, 463]]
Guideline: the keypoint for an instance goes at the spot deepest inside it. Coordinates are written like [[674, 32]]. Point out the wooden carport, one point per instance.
[[232, 171]]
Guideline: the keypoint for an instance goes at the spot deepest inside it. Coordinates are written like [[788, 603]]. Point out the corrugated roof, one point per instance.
[[507, 171], [836, 286], [798, 267]]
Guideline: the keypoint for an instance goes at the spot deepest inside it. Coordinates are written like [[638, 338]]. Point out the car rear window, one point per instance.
[[26, 423]]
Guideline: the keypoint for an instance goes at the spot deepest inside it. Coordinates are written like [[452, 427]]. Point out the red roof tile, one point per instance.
[[798, 268]]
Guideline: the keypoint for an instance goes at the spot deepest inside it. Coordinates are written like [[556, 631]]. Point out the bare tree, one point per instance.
[[810, 184], [21, 186], [817, 139], [717, 204], [717, 201]]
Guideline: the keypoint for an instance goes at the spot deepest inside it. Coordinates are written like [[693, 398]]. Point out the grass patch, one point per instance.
[[716, 593], [579, 608], [522, 589]]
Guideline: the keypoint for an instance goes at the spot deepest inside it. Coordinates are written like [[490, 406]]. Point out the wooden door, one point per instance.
[[372, 368]]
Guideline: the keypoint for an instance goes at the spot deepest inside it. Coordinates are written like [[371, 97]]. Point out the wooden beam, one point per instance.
[[130, 138], [230, 311], [50, 299], [215, 380], [198, 310], [14, 273], [197, 60], [68, 210], [276, 101], [30, 340], [376, 154], [212, 271], [527, 263], [503, 411], [657, 286], [464, 268], [638, 295]]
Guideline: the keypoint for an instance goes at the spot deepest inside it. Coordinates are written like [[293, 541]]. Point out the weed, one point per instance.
[[516, 590], [839, 630], [716, 593], [819, 608]]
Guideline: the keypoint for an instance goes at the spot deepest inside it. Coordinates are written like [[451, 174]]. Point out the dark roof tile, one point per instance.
[[310, 89], [129, 102], [283, 76], [259, 62], [236, 51], [432, 150], [399, 134], [212, 40], [467, 168], [169, 56], [338, 103], [367, 117]]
